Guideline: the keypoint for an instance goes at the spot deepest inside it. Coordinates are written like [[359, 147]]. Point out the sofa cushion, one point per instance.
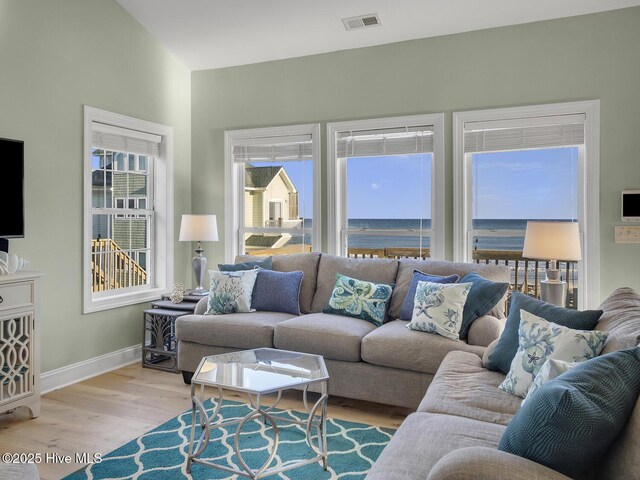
[[621, 318], [507, 346], [277, 291], [332, 336], [235, 330], [406, 266], [306, 262], [569, 423], [356, 298], [462, 387], [376, 270], [424, 438], [394, 345]]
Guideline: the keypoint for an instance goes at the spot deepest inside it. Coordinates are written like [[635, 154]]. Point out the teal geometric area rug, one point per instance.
[[161, 454]]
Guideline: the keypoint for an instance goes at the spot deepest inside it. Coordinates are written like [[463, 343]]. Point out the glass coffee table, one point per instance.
[[258, 373]]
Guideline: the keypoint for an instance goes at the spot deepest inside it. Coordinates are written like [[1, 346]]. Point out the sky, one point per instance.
[[530, 184]]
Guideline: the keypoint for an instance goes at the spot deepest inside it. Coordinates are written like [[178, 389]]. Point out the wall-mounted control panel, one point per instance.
[[627, 234]]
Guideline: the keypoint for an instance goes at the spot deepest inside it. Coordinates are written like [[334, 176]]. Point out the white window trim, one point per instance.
[[234, 196], [162, 261], [337, 188], [588, 181]]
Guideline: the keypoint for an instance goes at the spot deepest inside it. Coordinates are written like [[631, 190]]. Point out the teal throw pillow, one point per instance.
[[540, 341], [266, 263], [231, 292], [569, 423], [483, 296], [507, 346], [438, 308], [406, 312], [359, 299]]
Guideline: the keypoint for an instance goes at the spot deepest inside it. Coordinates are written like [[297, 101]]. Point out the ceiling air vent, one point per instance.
[[361, 21]]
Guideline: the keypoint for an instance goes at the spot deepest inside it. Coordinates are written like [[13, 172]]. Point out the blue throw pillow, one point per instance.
[[265, 263], [277, 291], [569, 423], [507, 346], [359, 299], [406, 311], [483, 296]]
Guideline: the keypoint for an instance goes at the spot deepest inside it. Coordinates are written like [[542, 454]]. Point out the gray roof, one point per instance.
[[259, 177], [264, 241]]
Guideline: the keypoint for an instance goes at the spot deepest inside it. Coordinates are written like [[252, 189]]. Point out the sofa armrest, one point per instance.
[[484, 330], [201, 306], [483, 463]]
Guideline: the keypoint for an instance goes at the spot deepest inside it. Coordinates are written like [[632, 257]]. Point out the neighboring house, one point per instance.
[[270, 200]]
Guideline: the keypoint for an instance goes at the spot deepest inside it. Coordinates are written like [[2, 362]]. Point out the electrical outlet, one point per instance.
[[627, 234]]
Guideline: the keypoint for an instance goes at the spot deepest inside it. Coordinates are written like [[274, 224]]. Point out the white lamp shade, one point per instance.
[[552, 241], [199, 228]]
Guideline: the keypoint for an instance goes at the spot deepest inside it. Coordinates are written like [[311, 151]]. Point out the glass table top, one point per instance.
[[262, 370]]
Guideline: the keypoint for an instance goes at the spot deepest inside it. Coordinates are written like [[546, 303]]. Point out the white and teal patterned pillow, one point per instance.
[[359, 299], [549, 370], [230, 292], [540, 340], [438, 308]]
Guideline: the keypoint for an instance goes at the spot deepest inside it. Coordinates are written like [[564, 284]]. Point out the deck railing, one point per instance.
[[113, 268]]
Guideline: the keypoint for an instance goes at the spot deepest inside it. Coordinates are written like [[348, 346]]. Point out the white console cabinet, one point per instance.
[[20, 342]]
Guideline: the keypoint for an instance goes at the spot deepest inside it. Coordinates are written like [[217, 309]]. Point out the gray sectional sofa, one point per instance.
[[389, 364]]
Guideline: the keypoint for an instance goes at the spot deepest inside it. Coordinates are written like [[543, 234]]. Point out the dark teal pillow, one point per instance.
[[406, 312], [483, 296], [569, 423], [507, 346], [265, 263], [359, 299]]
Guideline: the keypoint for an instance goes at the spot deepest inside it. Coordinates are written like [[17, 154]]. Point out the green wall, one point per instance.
[[587, 57], [55, 57]]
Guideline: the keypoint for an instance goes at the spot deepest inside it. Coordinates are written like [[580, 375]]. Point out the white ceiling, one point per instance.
[[208, 34]]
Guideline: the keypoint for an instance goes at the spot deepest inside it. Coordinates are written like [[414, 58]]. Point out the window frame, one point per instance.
[[234, 191], [161, 238], [337, 185], [588, 182]]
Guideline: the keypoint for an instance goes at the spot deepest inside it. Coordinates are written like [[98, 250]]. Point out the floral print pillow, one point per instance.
[[359, 299], [540, 340], [438, 308], [230, 292]]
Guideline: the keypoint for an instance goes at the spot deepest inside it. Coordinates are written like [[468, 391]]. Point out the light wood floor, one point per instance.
[[104, 412]]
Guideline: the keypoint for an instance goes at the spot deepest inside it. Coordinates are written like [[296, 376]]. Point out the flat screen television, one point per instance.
[[11, 190]]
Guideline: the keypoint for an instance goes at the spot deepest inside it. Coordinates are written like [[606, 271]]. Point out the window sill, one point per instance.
[[122, 300]]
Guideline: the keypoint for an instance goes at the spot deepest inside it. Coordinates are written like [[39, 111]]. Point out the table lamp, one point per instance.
[[199, 228], [552, 241]]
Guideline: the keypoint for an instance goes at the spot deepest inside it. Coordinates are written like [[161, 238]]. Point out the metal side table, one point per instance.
[[159, 338]]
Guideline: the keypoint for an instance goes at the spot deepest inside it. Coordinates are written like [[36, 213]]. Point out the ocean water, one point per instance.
[[486, 242]]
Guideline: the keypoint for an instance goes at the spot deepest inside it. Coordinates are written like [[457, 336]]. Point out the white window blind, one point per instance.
[[385, 141], [273, 149], [109, 137], [541, 132]]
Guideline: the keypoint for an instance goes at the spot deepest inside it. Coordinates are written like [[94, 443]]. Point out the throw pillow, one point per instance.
[[438, 308], [570, 422], [277, 291], [230, 292], [406, 311], [550, 369], [359, 299], [539, 341], [483, 296], [265, 263], [501, 357]]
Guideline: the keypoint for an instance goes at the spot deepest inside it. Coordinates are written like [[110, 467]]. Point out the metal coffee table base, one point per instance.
[[317, 419]]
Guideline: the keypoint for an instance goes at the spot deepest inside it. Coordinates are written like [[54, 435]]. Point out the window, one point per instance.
[[273, 203], [386, 187], [128, 233], [527, 163]]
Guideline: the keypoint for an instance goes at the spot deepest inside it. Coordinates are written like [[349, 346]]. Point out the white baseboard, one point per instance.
[[64, 376]]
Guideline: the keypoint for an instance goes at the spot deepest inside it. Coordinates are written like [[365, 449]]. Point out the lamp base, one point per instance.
[[554, 292]]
